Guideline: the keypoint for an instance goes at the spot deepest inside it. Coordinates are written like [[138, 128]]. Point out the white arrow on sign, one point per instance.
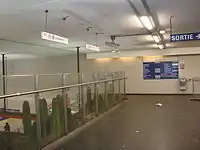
[[198, 36]]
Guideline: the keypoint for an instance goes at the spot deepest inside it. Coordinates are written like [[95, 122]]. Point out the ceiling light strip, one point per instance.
[[154, 21], [156, 38], [161, 46], [137, 13], [146, 22]]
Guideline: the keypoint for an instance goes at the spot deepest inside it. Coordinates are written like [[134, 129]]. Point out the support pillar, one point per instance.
[[4, 79]]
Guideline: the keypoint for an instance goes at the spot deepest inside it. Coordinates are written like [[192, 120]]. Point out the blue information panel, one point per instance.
[[185, 37], [1, 118], [161, 70]]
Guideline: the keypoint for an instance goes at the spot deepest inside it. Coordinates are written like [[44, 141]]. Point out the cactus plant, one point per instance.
[[55, 118], [61, 114], [43, 117], [27, 119], [16, 141]]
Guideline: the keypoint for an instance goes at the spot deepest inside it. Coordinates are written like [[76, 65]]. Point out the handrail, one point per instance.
[[32, 75], [57, 88], [17, 75]]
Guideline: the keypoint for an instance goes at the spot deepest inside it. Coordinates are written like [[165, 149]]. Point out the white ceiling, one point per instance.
[[23, 20]]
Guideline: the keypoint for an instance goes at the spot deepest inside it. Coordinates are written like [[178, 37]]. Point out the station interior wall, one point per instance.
[[132, 66]]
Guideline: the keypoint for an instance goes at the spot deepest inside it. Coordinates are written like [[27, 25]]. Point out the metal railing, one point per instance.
[[72, 106], [195, 88], [56, 88]]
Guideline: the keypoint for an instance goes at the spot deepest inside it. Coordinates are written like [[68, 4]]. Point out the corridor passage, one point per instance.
[[149, 122]]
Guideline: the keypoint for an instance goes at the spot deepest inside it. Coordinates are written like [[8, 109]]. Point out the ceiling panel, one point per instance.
[[22, 21], [184, 11]]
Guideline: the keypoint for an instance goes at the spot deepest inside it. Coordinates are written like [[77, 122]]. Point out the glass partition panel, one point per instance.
[[122, 89], [88, 77], [72, 79], [110, 93], [101, 98], [18, 124], [17, 84], [46, 81], [89, 101], [75, 112], [74, 93], [116, 91]]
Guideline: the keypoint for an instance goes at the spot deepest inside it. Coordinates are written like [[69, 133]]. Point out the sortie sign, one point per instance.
[[185, 37]]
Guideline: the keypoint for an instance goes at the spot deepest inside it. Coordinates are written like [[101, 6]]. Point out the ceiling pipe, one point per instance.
[[170, 24], [46, 19], [133, 34]]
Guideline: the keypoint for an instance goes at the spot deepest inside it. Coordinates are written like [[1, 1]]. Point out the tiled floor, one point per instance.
[[145, 123]]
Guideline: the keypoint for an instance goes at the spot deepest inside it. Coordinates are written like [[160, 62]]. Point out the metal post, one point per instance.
[[124, 97], [193, 92], [78, 59], [124, 84], [65, 98], [82, 98], [170, 24], [37, 110], [113, 88], [119, 90], [96, 99], [78, 71], [124, 87], [4, 79], [105, 95]]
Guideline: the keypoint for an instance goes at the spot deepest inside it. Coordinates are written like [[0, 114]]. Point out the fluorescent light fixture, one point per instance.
[[113, 51], [152, 58], [160, 46], [54, 38], [146, 22], [103, 59], [162, 31], [126, 58], [156, 38], [92, 47]]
